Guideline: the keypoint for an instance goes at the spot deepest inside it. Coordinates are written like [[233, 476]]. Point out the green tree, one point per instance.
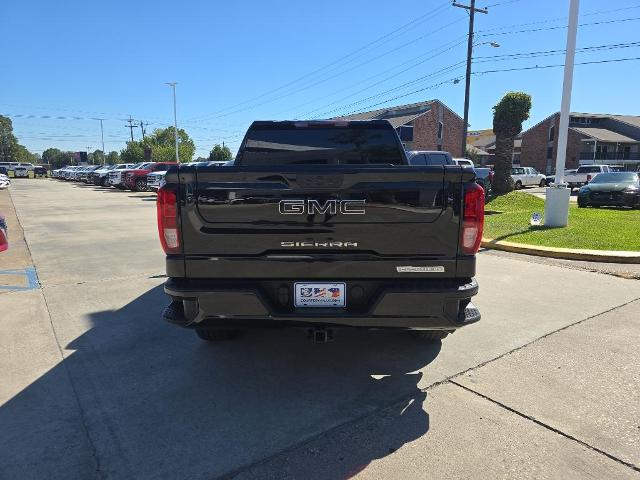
[[508, 115], [22, 155], [162, 145], [57, 158], [220, 154], [8, 141], [96, 157], [113, 157], [50, 154]]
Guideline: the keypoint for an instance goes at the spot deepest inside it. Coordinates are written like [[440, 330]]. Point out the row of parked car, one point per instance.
[[139, 177]]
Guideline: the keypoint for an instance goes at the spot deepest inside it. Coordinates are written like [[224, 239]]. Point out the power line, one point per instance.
[[559, 27], [368, 107], [536, 67], [420, 19], [544, 53], [437, 73], [323, 80], [499, 33], [557, 19], [439, 52], [507, 2]]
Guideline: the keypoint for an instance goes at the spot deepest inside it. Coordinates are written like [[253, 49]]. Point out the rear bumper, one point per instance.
[[418, 305]]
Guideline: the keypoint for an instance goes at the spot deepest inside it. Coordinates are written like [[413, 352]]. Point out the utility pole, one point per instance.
[[142, 125], [472, 11], [131, 126], [556, 205], [175, 118], [93, 160]]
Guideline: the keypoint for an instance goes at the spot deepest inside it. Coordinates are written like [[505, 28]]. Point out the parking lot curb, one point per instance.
[[608, 256]]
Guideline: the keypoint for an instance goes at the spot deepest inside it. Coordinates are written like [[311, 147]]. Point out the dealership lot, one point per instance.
[[544, 386]]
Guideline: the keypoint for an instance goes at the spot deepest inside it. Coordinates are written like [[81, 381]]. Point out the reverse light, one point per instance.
[[589, 177], [472, 219], [167, 207]]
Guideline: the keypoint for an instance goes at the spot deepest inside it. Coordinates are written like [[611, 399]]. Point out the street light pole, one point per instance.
[[175, 117], [556, 208], [104, 159]]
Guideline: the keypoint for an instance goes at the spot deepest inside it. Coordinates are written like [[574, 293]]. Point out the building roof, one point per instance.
[[476, 150], [398, 115], [604, 135], [632, 120]]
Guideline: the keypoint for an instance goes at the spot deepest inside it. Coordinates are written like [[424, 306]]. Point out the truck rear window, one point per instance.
[[349, 145]]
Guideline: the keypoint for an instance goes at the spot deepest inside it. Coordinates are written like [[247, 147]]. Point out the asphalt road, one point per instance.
[[96, 385]]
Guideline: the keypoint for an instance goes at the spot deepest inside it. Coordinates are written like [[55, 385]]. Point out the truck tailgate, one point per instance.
[[332, 212]]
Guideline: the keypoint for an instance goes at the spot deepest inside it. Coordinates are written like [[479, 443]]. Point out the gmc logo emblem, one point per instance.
[[330, 207]]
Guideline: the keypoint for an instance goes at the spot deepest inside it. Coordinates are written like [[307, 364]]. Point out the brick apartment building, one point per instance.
[[429, 125], [593, 138]]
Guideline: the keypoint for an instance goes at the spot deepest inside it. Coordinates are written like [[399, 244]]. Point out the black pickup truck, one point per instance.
[[320, 225]]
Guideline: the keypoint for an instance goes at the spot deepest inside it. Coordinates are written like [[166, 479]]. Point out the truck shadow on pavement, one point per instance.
[[150, 400]]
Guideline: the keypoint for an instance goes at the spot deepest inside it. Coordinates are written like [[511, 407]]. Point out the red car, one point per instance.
[[4, 237], [136, 180]]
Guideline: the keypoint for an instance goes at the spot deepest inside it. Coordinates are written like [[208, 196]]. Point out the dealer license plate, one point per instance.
[[320, 294]]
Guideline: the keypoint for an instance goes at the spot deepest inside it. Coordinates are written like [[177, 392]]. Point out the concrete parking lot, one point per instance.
[[96, 385]]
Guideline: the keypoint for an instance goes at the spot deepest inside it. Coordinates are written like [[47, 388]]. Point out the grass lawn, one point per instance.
[[507, 218]]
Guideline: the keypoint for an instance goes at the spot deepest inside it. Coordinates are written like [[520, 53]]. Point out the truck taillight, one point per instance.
[[167, 206], [588, 178], [472, 219]]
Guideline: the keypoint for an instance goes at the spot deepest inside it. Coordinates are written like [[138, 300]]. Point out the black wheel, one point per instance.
[[141, 185], [543, 183], [431, 334], [120, 187], [103, 181], [518, 185], [581, 205], [216, 334]]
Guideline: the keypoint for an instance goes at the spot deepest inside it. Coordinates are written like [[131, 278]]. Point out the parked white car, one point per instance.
[[115, 175], [584, 175], [527, 177], [155, 180], [5, 182], [464, 162], [21, 171]]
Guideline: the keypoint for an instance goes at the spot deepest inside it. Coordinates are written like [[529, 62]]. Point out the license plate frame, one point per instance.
[[320, 294]]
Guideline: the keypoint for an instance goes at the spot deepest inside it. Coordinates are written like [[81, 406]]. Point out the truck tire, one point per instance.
[[431, 334], [518, 185], [216, 334], [104, 182], [141, 185], [543, 183]]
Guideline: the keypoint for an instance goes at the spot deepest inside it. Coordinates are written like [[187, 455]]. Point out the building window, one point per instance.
[[549, 153], [440, 129], [552, 132], [406, 133]]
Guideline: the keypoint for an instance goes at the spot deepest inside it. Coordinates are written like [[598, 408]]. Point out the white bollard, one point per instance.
[[556, 206]]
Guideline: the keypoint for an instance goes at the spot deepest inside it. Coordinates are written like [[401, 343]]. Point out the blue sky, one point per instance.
[[240, 61]]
